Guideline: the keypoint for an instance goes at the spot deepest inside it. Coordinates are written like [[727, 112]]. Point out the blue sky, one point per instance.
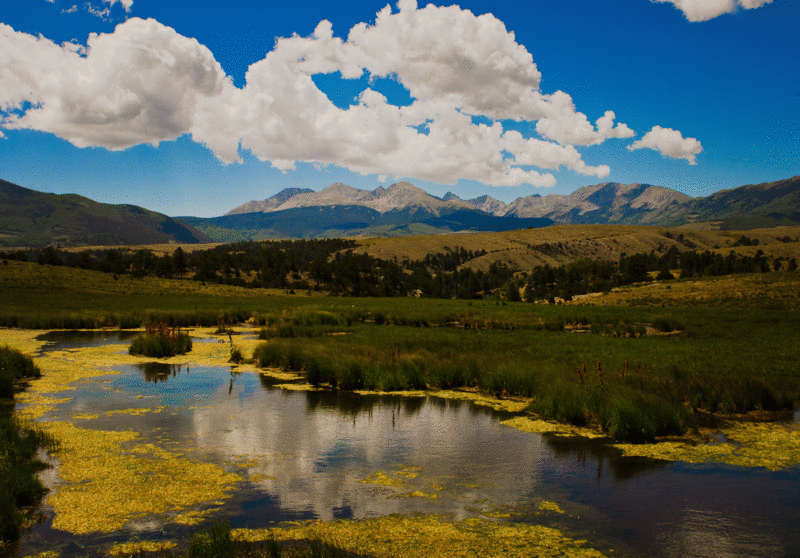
[[507, 99]]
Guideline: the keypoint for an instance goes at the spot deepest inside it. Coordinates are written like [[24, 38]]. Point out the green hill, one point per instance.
[[30, 218]]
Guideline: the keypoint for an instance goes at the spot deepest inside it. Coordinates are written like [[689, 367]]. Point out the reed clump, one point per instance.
[[160, 340]]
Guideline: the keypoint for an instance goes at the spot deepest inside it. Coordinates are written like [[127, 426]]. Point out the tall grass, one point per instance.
[[160, 341], [14, 366], [19, 485], [647, 386]]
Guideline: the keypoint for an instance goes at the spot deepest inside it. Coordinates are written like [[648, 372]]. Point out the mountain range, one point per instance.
[[32, 218]]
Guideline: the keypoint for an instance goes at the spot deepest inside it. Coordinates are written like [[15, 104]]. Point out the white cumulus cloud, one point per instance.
[[670, 143], [145, 83], [704, 10]]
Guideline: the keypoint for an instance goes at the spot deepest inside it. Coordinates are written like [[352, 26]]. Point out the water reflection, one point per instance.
[[160, 372], [304, 455], [62, 340]]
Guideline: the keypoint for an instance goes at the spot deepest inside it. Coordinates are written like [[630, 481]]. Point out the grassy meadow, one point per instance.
[[638, 368]]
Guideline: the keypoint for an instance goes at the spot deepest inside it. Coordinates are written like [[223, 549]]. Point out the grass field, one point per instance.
[[732, 349]]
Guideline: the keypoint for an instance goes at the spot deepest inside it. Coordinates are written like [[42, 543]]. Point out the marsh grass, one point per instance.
[[646, 385], [20, 488], [14, 366], [160, 341]]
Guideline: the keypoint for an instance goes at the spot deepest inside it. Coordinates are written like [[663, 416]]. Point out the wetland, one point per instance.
[[152, 451]]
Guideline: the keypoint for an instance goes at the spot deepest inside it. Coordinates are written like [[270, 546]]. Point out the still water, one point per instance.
[[304, 455]]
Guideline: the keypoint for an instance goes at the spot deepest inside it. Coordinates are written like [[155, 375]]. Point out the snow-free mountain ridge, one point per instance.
[[597, 203]]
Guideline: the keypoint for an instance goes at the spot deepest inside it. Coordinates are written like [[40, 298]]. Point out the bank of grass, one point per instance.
[[20, 488], [640, 375]]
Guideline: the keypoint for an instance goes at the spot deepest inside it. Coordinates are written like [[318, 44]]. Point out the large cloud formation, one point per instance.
[[145, 83], [704, 10]]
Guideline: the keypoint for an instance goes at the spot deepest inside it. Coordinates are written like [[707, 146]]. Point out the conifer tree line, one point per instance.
[[331, 265]]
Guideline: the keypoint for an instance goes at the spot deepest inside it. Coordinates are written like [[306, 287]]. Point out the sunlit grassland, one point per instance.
[[729, 353], [773, 290]]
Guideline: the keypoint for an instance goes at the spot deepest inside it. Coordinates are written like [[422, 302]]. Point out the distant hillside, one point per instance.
[[30, 218], [352, 220], [769, 204]]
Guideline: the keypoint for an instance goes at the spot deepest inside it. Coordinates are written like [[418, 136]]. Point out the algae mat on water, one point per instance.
[[109, 477], [430, 535], [774, 446]]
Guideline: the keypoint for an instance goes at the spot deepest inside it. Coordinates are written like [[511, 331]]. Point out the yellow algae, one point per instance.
[[508, 405], [770, 445], [531, 424], [408, 472], [259, 477], [136, 547], [298, 387], [406, 393], [23, 339], [193, 517], [136, 411], [418, 494], [431, 535], [550, 506], [44, 554], [106, 486], [280, 375], [84, 416], [33, 406], [380, 478]]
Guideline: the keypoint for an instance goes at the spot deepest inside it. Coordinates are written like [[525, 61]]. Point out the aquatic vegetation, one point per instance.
[[381, 478], [549, 506], [14, 365], [139, 547], [533, 424], [430, 535], [774, 446], [20, 486], [159, 340], [109, 481]]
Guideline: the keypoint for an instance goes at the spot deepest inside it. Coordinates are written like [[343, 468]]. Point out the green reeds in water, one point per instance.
[[19, 485], [160, 341], [14, 366]]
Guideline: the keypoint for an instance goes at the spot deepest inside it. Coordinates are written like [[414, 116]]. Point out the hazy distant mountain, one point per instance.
[[326, 221], [484, 203], [400, 196], [405, 209], [269, 204], [30, 218], [608, 203]]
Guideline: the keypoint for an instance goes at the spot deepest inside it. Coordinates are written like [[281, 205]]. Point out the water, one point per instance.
[[305, 454]]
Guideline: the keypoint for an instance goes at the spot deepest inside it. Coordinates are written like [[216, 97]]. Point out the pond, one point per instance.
[[301, 455]]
